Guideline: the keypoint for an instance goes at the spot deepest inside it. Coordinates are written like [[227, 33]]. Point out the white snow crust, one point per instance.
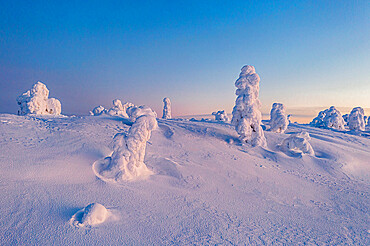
[[221, 116], [166, 108], [278, 119], [127, 160], [36, 101], [356, 119], [330, 118], [246, 114]]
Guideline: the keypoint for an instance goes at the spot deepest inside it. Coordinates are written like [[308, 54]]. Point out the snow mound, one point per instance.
[[279, 121], [246, 114], [356, 119], [221, 116], [36, 101], [166, 108], [127, 160], [330, 118], [91, 215], [297, 144]]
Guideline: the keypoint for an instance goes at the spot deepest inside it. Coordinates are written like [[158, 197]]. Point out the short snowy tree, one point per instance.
[[297, 144], [166, 108], [36, 101], [278, 119], [356, 119], [99, 110], [246, 114], [221, 116], [127, 159], [330, 118], [119, 109]]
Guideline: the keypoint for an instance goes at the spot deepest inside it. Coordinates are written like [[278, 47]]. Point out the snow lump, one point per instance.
[[297, 144], [127, 160], [221, 116], [246, 114], [36, 101], [279, 121], [91, 215]]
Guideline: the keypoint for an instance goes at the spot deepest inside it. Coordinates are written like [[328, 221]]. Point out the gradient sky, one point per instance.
[[307, 53]]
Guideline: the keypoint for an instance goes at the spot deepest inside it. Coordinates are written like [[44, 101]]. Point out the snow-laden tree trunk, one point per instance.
[[246, 114]]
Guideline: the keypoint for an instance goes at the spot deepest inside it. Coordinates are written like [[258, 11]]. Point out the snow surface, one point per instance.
[[36, 101], [278, 119], [206, 189], [246, 114], [166, 108], [221, 116]]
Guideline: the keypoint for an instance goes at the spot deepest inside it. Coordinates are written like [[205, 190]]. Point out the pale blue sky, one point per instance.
[[307, 53]]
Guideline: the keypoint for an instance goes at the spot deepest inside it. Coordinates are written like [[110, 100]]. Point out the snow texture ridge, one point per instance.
[[356, 119], [127, 160], [297, 144], [278, 119], [221, 116], [36, 101], [246, 114], [166, 108], [330, 118], [91, 215]]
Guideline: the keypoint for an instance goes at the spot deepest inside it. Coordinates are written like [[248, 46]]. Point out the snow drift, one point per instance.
[[166, 108], [356, 119], [91, 215], [330, 118], [297, 144], [278, 119], [221, 116], [127, 159], [246, 114], [36, 101]]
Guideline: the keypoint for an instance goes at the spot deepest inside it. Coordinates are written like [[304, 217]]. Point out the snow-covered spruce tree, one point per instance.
[[99, 110], [166, 108], [278, 119], [36, 101], [297, 143], [246, 114], [356, 119], [221, 116], [119, 109], [330, 118], [127, 159]]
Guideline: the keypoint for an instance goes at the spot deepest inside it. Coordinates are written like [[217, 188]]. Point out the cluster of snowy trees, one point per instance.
[[37, 101], [118, 109], [332, 118]]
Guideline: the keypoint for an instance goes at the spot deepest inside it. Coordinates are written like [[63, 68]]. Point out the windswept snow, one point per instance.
[[91, 215], [246, 114], [278, 118], [356, 119], [206, 188], [166, 108], [37, 101], [127, 160], [221, 116]]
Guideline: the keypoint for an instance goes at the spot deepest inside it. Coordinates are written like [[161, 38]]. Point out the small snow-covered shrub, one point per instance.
[[99, 110], [297, 144], [279, 121], [221, 116], [330, 118], [119, 109], [36, 101], [166, 108], [356, 119], [91, 215], [127, 159], [246, 114]]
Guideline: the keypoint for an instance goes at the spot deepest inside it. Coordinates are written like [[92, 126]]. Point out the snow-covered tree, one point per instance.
[[36, 101], [99, 110], [166, 108], [345, 118], [127, 160], [330, 118], [119, 109], [221, 116], [246, 114], [278, 119], [356, 119], [297, 143]]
